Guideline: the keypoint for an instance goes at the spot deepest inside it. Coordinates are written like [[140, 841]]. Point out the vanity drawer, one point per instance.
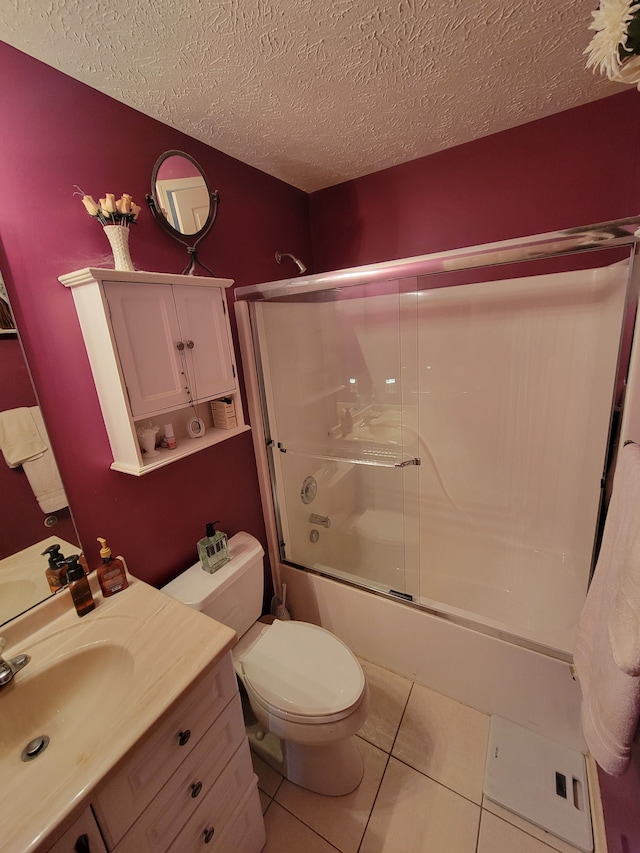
[[82, 835], [230, 819], [221, 765], [151, 762]]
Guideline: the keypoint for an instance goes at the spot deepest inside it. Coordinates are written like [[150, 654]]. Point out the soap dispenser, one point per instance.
[[79, 586], [213, 550], [112, 575], [56, 570]]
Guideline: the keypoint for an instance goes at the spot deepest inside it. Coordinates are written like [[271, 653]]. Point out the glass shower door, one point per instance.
[[336, 402]]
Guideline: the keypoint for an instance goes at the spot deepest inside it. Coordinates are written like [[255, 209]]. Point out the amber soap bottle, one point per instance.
[[79, 587], [112, 575]]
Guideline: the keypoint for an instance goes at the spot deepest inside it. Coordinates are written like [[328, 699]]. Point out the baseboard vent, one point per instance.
[[542, 781]]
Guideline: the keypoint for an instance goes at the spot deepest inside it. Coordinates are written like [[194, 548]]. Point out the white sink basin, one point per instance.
[[65, 700]]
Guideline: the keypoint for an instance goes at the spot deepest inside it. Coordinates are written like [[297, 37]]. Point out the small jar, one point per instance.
[[169, 440]]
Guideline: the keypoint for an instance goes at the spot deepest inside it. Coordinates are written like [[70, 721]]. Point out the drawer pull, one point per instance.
[[195, 789], [82, 844], [208, 834], [184, 736]]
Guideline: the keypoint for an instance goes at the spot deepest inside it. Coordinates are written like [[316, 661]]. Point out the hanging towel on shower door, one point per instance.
[[611, 696]]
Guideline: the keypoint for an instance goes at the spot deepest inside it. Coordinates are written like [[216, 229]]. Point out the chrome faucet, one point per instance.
[[8, 668]]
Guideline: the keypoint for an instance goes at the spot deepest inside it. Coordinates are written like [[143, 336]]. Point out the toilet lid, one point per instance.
[[303, 670]]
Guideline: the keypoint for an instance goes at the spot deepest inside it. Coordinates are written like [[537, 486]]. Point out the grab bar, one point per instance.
[[323, 520]]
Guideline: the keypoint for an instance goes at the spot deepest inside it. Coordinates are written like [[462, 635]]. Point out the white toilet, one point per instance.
[[306, 688]]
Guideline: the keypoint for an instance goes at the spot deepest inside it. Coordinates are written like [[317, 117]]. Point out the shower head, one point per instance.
[[301, 267]]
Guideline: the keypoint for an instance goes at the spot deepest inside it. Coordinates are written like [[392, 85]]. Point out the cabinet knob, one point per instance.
[[82, 844], [190, 344], [196, 787], [184, 736], [208, 834], [180, 346]]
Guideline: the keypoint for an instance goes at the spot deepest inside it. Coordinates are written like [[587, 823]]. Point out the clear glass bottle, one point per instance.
[[213, 550]]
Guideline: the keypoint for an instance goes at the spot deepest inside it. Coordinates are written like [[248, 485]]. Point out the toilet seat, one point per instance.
[[303, 673]]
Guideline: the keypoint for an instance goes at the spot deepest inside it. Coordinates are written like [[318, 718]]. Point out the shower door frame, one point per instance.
[[574, 241]]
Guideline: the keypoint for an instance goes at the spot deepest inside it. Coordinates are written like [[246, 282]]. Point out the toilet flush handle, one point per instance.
[[322, 520]]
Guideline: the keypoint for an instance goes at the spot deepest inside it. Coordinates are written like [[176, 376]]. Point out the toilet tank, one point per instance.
[[233, 594]]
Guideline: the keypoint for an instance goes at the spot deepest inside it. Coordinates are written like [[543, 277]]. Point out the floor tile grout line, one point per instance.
[[479, 828], [530, 834], [404, 711], [304, 823], [373, 804], [386, 766], [437, 782]]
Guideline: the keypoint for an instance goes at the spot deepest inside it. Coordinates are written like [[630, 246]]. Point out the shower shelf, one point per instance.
[[379, 455]]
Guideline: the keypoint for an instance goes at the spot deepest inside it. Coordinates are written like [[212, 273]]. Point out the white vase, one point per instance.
[[118, 237]]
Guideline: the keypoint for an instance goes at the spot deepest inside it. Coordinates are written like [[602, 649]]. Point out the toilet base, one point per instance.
[[332, 769]]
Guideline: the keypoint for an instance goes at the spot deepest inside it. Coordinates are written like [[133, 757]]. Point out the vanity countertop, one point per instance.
[[95, 685]]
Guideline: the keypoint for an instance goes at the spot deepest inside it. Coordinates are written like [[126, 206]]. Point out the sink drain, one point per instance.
[[35, 748]]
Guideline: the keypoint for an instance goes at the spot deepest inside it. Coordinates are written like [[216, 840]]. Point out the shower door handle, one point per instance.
[[322, 520]]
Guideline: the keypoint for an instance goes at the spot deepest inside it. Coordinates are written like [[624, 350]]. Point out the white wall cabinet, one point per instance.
[[188, 785], [160, 350]]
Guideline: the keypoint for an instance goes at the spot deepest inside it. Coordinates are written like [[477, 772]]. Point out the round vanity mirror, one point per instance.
[[182, 202]]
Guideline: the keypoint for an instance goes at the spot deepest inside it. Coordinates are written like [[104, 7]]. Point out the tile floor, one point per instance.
[[422, 787]]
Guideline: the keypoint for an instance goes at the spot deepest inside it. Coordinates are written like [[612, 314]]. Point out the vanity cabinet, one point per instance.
[[160, 351], [190, 782]]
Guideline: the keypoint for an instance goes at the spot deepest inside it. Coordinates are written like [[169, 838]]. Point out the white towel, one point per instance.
[[611, 697], [19, 436], [24, 441], [624, 619]]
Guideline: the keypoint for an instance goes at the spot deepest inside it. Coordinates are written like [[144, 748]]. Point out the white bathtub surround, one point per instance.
[[485, 673]]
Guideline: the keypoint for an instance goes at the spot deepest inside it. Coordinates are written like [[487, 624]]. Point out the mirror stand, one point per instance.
[[182, 203], [192, 248]]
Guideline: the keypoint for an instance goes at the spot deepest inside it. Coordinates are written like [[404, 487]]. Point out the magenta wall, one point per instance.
[[575, 168], [57, 133]]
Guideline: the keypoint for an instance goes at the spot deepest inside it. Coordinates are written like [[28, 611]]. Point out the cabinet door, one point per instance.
[[205, 332], [147, 333], [82, 837]]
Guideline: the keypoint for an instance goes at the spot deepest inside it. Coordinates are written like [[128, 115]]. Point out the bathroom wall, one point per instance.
[[57, 133], [574, 168]]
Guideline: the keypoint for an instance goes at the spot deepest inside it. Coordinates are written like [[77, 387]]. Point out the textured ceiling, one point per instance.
[[316, 92]]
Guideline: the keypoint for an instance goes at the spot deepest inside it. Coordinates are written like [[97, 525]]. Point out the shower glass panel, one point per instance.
[[340, 381], [516, 382], [445, 436]]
